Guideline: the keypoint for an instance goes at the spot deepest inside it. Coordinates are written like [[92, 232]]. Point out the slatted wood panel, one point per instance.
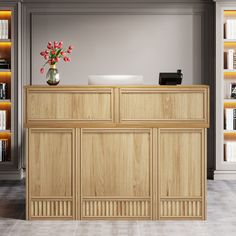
[[116, 208], [51, 208], [181, 208]]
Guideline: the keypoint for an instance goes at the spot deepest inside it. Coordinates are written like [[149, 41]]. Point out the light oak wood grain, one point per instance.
[[181, 162], [158, 105], [51, 162], [116, 162], [77, 105]]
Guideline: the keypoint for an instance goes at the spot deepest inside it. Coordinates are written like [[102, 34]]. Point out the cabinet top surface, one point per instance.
[[115, 86]]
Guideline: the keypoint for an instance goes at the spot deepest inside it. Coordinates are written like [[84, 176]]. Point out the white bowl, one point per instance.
[[115, 80]]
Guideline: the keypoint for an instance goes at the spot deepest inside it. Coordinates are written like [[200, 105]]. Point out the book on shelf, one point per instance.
[[230, 119], [3, 90], [4, 29], [3, 150], [230, 59], [234, 61], [4, 64], [3, 118], [230, 151], [230, 29]]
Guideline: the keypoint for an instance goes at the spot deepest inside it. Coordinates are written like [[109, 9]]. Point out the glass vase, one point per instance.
[[53, 75]]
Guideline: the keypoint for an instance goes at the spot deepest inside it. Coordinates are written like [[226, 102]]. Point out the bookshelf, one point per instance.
[[5, 86], [225, 101], [10, 164]]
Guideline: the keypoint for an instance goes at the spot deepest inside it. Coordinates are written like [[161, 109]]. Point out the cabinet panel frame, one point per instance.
[[29, 184], [173, 90], [64, 90], [202, 198], [119, 198]]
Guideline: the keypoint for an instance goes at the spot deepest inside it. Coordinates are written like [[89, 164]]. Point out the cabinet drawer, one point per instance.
[[80, 105], [168, 105]]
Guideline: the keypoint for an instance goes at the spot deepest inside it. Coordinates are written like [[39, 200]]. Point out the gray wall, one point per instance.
[[121, 44]]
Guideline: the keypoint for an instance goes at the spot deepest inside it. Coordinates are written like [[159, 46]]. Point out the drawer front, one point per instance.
[[70, 105], [154, 105]]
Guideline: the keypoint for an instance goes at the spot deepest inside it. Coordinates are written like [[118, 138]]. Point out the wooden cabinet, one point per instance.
[[51, 173], [141, 164]]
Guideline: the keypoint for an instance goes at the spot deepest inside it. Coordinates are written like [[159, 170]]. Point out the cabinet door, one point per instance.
[[51, 163], [116, 173], [182, 173]]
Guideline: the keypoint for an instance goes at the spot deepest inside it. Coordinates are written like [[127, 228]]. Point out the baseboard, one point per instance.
[[224, 175], [11, 175]]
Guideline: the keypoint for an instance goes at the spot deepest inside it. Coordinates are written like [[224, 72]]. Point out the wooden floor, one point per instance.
[[221, 218]]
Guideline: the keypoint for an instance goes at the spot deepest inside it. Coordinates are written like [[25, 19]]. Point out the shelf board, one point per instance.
[[5, 100], [5, 131], [5, 70], [229, 100], [230, 40], [230, 131], [232, 71], [5, 40]]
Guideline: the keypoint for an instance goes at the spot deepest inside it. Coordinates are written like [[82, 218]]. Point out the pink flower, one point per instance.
[[60, 44], [49, 46], [66, 59], [55, 53], [55, 44]]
